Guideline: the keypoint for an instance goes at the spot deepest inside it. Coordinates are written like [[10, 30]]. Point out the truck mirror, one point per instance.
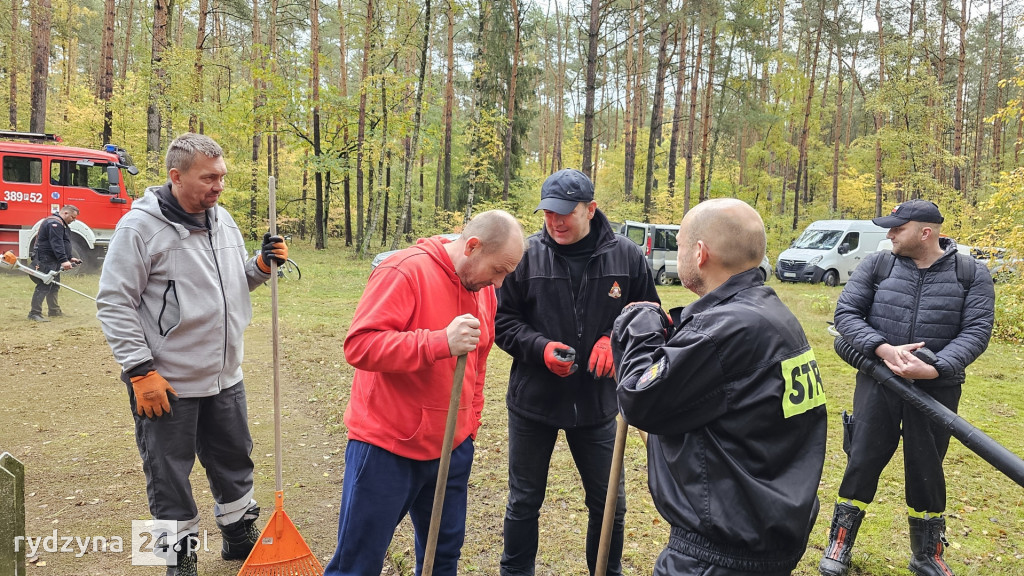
[[113, 175], [844, 248]]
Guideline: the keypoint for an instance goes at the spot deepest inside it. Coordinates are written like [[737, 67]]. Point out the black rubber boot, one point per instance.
[[846, 521], [188, 561], [241, 536], [928, 542]]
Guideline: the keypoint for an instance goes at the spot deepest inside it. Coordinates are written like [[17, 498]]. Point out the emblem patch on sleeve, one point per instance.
[[616, 291], [803, 389], [652, 373]]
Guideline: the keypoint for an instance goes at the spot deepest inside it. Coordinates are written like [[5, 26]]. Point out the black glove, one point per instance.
[[273, 249]]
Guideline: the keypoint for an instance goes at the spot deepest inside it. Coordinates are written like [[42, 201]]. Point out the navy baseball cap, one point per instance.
[[563, 190], [911, 210]]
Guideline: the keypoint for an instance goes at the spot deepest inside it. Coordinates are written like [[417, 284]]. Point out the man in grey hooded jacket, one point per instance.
[[174, 303]]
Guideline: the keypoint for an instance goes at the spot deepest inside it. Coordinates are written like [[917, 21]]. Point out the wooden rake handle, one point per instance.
[[442, 468], [611, 497]]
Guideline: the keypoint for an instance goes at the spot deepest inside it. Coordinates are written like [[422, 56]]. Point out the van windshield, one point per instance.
[[818, 239]]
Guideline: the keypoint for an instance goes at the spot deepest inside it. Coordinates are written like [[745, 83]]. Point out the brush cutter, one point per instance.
[[442, 467], [970, 436], [10, 262], [281, 550]]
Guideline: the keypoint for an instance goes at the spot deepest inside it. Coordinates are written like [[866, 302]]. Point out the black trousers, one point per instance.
[[47, 292], [880, 417]]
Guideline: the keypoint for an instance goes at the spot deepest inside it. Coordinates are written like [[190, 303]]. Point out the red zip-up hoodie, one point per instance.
[[398, 346]]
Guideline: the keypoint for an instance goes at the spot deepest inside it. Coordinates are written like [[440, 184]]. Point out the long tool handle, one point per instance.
[[970, 436], [611, 497], [278, 482], [442, 467]]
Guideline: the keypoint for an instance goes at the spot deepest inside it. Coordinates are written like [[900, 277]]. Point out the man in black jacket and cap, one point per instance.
[[52, 254], [555, 315], [731, 394], [928, 295]]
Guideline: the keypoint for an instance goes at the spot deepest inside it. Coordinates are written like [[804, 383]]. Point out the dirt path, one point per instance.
[[64, 414]]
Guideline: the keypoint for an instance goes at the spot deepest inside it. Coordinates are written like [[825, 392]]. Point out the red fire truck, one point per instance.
[[39, 177]]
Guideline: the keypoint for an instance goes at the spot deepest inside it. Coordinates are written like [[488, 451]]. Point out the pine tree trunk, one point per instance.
[[257, 122], [997, 125], [106, 86], [627, 113], [591, 83], [958, 121], [979, 133], [361, 134], [416, 121], [879, 119], [128, 27], [692, 122], [197, 69], [13, 63], [511, 107], [706, 113], [156, 88], [449, 104], [320, 218], [801, 167], [677, 109], [656, 108]]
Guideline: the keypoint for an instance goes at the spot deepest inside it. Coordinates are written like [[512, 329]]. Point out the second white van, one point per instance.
[[828, 251]]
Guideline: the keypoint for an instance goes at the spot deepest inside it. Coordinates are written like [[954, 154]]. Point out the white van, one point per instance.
[[828, 251], [658, 241]]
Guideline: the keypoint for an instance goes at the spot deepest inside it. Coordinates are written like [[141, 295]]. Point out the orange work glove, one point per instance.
[[151, 398], [559, 358], [601, 364], [274, 249]]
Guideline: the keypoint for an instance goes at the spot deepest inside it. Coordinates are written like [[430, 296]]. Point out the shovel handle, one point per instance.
[[611, 497], [442, 468]]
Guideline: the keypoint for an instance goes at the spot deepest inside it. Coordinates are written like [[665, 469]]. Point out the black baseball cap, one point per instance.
[[911, 210], [564, 189]]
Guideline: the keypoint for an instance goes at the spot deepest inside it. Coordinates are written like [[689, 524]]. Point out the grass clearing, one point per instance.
[[986, 510]]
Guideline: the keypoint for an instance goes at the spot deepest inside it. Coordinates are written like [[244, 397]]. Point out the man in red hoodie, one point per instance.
[[422, 308]]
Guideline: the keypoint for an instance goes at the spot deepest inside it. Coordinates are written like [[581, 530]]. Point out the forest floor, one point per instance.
[[64, 414]]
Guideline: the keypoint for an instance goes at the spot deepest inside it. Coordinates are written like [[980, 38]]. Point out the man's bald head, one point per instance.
[[717, 239], [732, 231]]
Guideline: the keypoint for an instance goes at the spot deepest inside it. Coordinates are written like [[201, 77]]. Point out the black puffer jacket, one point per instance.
[[920, 305], [734, 403], [536, 305]]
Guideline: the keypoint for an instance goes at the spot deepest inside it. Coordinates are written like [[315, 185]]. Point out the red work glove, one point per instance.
[[601, 364], [559, 358], [151, 398], [274, 249]]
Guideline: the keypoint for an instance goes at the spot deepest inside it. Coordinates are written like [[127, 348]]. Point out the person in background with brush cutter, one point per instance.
[[555, 315], [922, 294], [174, 303], [423, 307], [52, 252]]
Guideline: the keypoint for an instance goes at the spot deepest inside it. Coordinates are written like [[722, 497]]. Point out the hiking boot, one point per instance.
[[188, 560], [928, 542], [38, 318], [55, 314], [241, 536], [846, 521]]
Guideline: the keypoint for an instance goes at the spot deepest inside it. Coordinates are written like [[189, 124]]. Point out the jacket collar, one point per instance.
[[735, 284]]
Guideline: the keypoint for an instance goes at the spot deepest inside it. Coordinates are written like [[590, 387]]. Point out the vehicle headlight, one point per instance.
[[814, 261]]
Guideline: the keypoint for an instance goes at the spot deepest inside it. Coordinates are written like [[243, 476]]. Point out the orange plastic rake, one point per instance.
[[281, 550]]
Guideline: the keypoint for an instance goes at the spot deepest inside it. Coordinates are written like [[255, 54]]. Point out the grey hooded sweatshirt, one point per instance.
[[174, 295]]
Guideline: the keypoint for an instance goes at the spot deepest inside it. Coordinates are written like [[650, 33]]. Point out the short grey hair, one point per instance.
[[183, 150], [70, 208]]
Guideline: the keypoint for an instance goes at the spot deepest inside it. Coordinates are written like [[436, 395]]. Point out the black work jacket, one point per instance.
[[920, 305], [53, 243], [734, 404], [536, 305]]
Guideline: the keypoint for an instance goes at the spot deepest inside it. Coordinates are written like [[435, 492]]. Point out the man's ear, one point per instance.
[[702, 254], [472, 245], [174, 175]]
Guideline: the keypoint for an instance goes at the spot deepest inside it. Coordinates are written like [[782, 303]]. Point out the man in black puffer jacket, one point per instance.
[[925, 300], [555, 315]]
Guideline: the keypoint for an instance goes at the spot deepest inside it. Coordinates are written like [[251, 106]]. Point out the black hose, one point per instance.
[[973, 438]]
